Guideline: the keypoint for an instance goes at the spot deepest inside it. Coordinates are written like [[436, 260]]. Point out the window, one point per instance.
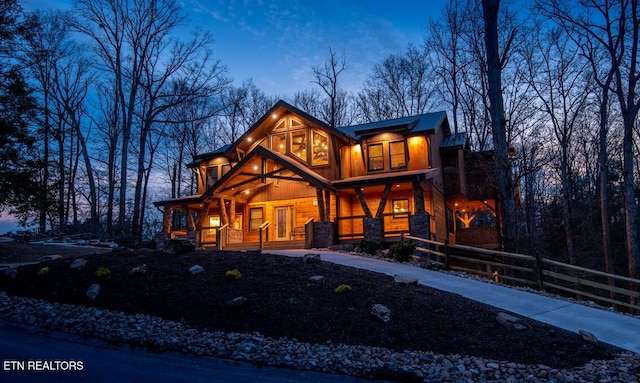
[[397, 157], [400, 207], [299, 144], [375, 155], [320, 154], [212, 175], [278, 143], [214, 221], [255, 218]]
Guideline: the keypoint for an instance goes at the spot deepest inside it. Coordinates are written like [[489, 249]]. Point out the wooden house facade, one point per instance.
[[294, 180]]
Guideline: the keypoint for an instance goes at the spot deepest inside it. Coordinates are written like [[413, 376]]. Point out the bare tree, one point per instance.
[[401, 84], [495, 63], [558, 77], [327, 78], [611, 28]]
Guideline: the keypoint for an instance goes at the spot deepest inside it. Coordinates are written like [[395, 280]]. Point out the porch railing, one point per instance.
[[264, 233], [222, 236]]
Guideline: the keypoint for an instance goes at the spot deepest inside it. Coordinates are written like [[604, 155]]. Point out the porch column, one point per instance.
[[201, 219], [420, 220], [321, 208], [232, 212], [327, 205], [166, 220], [224, 218]]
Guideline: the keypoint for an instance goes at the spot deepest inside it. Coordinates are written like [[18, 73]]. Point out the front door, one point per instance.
[[282, 226]]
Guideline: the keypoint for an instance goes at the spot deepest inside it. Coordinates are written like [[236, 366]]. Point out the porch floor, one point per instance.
[[271, 245]]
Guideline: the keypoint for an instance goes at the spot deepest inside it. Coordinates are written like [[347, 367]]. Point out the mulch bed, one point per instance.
[[282, 302]]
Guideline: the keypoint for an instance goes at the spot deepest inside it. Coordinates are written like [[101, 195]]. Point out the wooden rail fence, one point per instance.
[[539, 273]]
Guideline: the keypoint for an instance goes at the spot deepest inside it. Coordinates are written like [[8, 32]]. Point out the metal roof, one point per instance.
[[454, 140], [429, 122]]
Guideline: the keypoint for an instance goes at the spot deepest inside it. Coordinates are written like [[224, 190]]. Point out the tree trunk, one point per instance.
[[498, 123]]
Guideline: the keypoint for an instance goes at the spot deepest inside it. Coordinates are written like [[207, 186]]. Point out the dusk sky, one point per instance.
[[277, 43]]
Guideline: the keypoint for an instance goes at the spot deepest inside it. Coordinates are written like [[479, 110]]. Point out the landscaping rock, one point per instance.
[[138, 270], [179, 246], [401, 280], [311, 258], [510, 322], [78, 264], [589, 337], [317, 280], [196, 269], [11, 272], [93, 291], [381, 312], [51, 257], [236, 302]]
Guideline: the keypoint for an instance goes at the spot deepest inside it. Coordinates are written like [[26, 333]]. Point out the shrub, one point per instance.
[[232, 275], [402, 251], [102, 272], [44, 271], [342, 289], [370, 246]]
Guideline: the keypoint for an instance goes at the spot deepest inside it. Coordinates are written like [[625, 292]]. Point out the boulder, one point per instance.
[[78, 264], [510, 322], [401, 280], [179, 246], [93, 291], [381, 312], [236, 302], [196, 269], [311, 258]]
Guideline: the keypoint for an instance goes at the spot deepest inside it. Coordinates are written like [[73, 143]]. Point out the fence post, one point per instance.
[[446, 254], [539, 270]]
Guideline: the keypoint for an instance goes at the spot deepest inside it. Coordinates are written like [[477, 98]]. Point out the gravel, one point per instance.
[[158, 334]]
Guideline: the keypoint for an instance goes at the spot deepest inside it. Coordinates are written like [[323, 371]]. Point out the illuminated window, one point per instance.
[[278, 143], [400, 207], [299, 144], [255, 218], [212, 175], [320, 154], [397, 156], [214, 221], [376, 161]]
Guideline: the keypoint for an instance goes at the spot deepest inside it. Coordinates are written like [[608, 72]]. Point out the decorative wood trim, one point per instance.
[[383, 200], [363, 202], [190, 222]]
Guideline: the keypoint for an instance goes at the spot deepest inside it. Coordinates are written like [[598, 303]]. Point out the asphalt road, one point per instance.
[[36, 351]]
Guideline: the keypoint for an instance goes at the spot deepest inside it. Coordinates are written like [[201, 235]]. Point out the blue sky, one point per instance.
[[277, 43]]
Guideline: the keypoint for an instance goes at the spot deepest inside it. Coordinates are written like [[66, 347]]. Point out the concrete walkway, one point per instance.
[[609, 327]]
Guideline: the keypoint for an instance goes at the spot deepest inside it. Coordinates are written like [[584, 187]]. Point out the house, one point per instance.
[[294, 180]]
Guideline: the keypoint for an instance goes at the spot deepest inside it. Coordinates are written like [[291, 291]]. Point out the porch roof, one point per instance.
[[383, 178], [239, 176], [197, 198]]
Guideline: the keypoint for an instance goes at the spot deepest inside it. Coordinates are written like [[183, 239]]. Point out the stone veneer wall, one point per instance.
[[323, 234], [420, 225], [372, 228]]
